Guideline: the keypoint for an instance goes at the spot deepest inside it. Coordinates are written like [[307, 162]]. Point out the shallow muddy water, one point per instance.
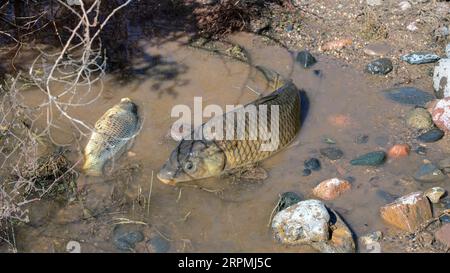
[[219, 215]]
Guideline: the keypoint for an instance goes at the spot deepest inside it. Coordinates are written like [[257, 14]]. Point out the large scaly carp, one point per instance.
[[113, 134], [195, 158]]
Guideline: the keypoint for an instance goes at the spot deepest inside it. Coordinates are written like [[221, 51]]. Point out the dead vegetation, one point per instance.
[[228, 16]]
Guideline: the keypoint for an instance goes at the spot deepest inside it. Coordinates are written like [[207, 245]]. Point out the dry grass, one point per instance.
[[226, 17]]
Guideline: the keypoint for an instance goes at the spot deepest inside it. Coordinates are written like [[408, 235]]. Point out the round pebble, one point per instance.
[[380, 66], [312, 164]]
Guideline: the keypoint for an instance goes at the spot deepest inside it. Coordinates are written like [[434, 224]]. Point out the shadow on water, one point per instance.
[[304, 107]]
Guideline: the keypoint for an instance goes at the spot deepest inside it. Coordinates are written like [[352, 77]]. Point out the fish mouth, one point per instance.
[[165, 178]]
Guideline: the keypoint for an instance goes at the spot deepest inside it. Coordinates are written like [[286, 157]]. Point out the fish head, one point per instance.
[[128, 105], [192, 160]]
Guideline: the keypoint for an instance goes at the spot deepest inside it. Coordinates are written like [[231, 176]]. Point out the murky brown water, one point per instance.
[[195, 219]]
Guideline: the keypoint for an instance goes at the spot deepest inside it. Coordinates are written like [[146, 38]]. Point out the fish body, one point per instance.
[[195, 158], [113, 134]]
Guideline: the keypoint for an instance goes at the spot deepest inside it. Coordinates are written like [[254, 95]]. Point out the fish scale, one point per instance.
[[113, 133], [244, 152]]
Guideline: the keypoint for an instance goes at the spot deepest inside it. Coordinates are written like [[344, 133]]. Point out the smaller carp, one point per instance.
[[113, 135]]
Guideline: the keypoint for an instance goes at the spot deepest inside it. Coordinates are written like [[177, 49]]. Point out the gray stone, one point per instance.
[[429, 173], [441, 78], [420, 58], [430, 136], [408, 95], [287, 199], [125, 236], [369, 159], [311, 223], [447, 50], [374, 2], [404, 5], [441, 32], [380, 66], [305, 59]]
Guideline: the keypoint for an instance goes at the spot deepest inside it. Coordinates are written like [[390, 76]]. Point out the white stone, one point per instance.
[[374, 2], [447, 50], [412, 27], [441, 78], [302, 223], [404, 5]]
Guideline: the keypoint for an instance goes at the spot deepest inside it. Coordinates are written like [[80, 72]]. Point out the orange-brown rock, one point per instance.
[[407, 212], [399, 150], [331, 188]]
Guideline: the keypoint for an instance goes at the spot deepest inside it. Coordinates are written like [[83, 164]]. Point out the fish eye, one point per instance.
[[189, 166]]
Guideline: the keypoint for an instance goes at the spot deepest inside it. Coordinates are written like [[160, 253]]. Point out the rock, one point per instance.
[[399, 150], [441, 32], [404, 5], [306, 172], [287, 199], [377, 49], [374, 2], [312, 164], [341, 240], [332, 188], [447, 50], [125, 236], [157, 244], [318, 73], [419, 118], [303, 223], [289, 28], [441, 114], [331, 153], [445, 202], [305, 59], [409, 95], [421, 150], [362, 139], [380, 66], [412, 26], [429, 173], [336, 45], [434, 194], [445, 218], [310, 222], [369, 159], [370, 241], [407, 212], [441, 79], [420, 58], [443, 235], [432, 135]]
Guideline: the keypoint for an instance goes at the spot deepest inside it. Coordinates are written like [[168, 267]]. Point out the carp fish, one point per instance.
[[198, 158], [113, 134]]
